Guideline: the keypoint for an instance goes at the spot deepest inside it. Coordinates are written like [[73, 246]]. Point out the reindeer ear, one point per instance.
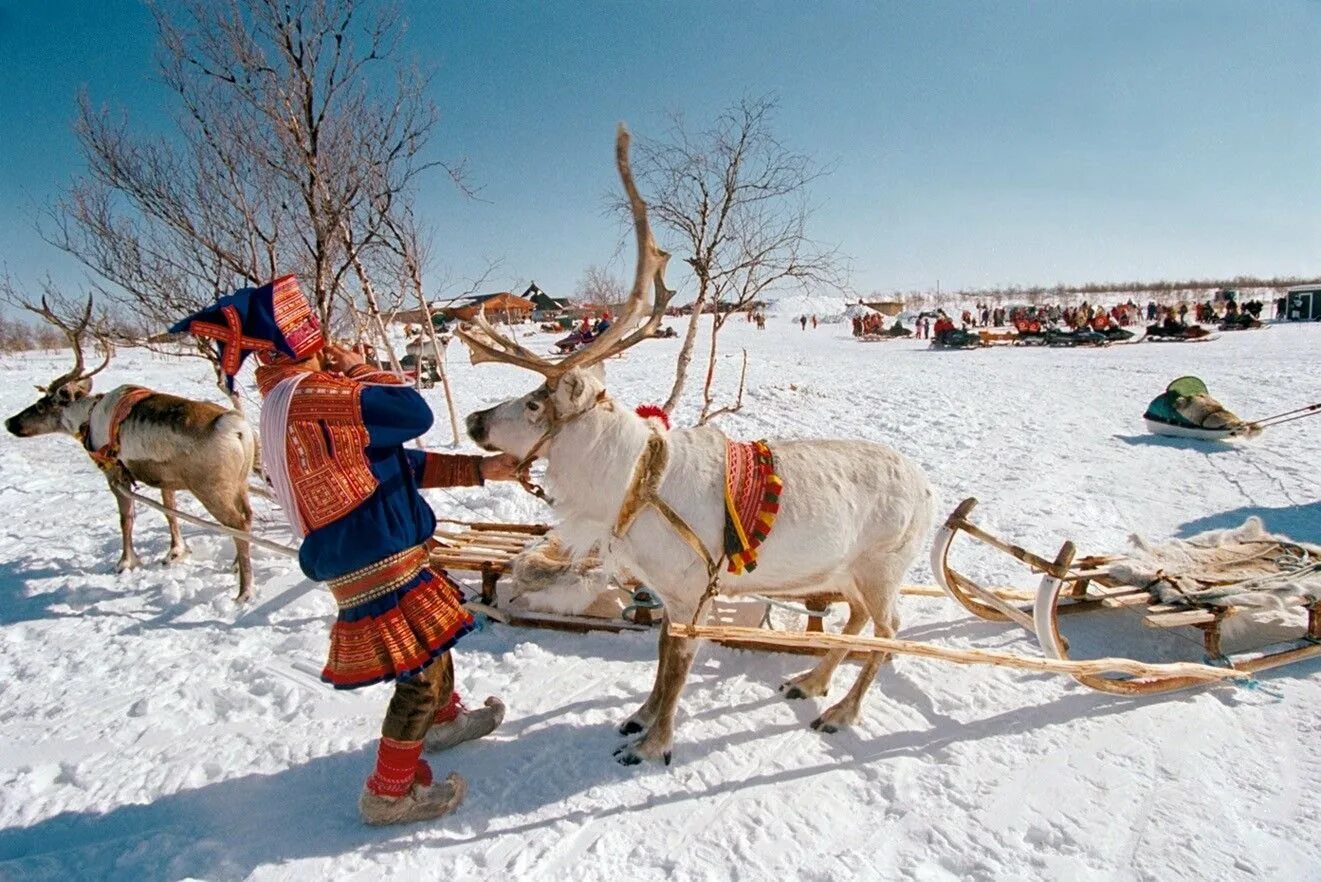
[[575, 391], [74, 390]]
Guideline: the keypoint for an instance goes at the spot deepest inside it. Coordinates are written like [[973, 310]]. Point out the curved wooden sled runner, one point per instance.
[[1071, 584]]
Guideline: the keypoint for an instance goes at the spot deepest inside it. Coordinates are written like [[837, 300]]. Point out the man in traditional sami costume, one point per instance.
[[333, 431]]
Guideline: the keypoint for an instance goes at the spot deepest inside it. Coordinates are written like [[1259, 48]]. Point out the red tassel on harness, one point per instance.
[[648, 411]]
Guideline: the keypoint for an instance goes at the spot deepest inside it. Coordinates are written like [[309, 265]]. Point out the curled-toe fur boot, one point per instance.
[[456, 724], [420, 803]]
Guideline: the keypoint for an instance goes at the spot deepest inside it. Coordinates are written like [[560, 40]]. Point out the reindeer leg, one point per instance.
[[656, 743], [885, 619], [236, 513], [178, 548], [128, 558], [243, 549], [816, 682], [645, 715]]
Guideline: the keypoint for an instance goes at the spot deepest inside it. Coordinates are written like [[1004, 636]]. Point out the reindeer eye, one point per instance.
[[533, 406]]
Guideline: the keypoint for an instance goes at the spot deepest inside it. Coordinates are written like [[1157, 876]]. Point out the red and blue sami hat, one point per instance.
[[275, 321]]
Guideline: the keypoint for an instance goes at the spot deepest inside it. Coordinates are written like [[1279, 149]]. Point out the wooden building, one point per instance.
[[500, 307]]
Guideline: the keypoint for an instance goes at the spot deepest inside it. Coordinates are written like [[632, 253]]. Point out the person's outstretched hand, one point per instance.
[[501, 467]]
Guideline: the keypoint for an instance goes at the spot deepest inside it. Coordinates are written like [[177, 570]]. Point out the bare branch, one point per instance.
[[733, 201]]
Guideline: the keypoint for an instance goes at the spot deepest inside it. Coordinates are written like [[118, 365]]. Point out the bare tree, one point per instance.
[[732, 201], [598, 287], [298, 127], [410, 242]]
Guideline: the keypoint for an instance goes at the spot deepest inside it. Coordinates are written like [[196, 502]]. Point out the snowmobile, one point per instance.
[[956, 339], [1176, 333]]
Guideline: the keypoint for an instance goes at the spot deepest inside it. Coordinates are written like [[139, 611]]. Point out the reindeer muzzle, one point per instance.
[[476, 425]]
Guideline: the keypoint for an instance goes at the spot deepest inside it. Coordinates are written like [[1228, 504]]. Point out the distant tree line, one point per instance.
[[17, 335], [1037, 294]]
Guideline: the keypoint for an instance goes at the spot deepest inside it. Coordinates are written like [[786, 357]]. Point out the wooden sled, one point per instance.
[[998, 338], [489, 549], [1161, 338], [485, 548], [742, 623], [1171, 430], [1072, 584]]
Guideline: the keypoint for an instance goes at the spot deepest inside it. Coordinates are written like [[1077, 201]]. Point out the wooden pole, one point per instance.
[[960, 656], [438, 352], [210, 525]]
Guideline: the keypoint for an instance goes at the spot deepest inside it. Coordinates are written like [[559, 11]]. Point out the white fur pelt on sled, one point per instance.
[[1203, 410], [1244, 566], [546, 578]]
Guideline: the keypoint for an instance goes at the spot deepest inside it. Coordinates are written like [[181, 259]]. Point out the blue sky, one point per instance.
[[974, 143]]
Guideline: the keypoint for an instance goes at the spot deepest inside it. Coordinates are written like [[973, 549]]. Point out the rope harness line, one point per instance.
[[556, 425], [644, 492], [285, 550], [1287, 416]]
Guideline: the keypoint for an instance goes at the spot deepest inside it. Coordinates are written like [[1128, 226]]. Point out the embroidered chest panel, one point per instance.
[[326, 449]]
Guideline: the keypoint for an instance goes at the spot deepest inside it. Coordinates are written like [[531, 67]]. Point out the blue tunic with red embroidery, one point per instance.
[[357, 490]]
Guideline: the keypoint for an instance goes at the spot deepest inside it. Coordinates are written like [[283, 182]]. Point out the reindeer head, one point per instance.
[[49, 412], [517, 425], [575, 384]]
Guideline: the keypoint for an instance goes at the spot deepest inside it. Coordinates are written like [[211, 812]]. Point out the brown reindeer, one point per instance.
[[139, 436]]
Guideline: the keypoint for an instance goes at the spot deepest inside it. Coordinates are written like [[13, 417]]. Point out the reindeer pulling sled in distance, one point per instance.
[[135, 435]]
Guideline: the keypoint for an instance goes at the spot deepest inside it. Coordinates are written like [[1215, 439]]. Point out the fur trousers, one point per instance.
[[416, 700]]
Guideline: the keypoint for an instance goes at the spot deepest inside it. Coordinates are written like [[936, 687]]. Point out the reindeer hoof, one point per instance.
[[175, 556], [126, 564], [631, 727], [801, 687], [638, 751], [835, 718], [243, 597]]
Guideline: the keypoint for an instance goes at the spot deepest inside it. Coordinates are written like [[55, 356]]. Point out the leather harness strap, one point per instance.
[[556, 424], [644, 491]]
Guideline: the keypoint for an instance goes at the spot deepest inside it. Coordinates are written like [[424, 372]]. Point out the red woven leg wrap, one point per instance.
[[396, 767], [423, 774], [450, 712]]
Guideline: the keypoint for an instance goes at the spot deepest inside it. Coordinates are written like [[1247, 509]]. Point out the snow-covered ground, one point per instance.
[[150, 730]]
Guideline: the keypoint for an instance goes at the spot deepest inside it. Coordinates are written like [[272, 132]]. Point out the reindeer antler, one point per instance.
[[488, 344], [73, 330], [493, 346]]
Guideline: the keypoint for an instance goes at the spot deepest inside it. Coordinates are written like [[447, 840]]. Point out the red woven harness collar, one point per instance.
[[106, 456]]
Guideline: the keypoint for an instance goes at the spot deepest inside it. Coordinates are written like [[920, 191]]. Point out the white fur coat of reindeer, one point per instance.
[[853, 514]]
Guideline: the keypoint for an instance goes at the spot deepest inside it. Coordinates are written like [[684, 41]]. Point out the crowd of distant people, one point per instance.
[[1036, 319]]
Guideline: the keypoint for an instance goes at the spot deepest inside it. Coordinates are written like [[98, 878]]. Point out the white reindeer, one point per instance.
[[853, 514], [164, 441]]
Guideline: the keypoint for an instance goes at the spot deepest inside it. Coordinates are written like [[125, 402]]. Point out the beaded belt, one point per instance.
[[378, 579]]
